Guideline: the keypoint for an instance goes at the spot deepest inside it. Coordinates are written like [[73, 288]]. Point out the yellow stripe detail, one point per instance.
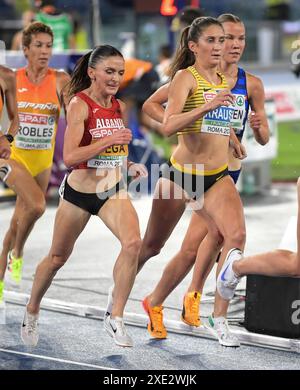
[[193, 171]]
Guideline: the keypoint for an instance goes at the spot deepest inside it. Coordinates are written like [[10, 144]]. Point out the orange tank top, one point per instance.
[[38, 109]]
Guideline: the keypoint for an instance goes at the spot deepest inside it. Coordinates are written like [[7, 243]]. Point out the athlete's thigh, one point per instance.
[[23, 184], [223, 204], [120, 216], [70, 221], [165, 212], [195, 233], [43, 178]]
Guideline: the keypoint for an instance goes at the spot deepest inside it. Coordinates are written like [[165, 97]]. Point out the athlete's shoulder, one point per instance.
[[62, 76], [253, 80], [6, 73], [77, 106], [8, 78]]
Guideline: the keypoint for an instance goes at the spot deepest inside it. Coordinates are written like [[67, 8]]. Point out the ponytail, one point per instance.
[[184, 57], [80, 79]]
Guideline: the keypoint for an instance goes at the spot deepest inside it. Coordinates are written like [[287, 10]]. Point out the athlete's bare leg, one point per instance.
[[30, 205], [70, 221], [165, 214], [121, 218], [229, 219]]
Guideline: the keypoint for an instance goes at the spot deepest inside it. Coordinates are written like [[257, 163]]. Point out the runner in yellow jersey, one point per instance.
[[39, 96]]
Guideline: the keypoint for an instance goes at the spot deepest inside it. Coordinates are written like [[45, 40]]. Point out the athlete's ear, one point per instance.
[[192, 46], [91, 73]]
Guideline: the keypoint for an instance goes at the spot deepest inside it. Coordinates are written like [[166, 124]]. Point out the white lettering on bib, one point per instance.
[[35, 131], [238, 113], [114, 155], [218, 120]]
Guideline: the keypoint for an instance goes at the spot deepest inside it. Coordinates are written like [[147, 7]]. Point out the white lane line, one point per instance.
[[56, 360]]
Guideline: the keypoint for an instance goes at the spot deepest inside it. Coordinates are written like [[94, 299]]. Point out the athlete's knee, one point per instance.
[[152, 248], [37, 210], [132, 246], [57, 261], [294, 268], [237, 237], [188, 254]]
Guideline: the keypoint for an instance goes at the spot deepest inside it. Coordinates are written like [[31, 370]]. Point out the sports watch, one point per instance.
[[9, 137]]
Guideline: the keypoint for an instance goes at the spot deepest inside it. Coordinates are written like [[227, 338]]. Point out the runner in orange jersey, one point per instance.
[[40, 97]]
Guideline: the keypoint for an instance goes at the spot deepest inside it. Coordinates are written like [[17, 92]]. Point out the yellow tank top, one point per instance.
[[216, 121]]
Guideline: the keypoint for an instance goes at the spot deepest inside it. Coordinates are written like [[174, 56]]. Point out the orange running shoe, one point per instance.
[[190, 309], [156, 326]]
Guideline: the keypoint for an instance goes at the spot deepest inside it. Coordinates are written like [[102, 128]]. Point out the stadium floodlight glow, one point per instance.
[[167, 8]]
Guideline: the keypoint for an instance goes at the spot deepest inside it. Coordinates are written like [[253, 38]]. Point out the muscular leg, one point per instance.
[[121, 218], [165, 214], [31, 213], [70, 221], [30, 205], [177, 268], [223, 204], [206, 255]]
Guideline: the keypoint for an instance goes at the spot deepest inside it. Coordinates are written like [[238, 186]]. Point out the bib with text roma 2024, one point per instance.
[[114, 155], [216, 121]]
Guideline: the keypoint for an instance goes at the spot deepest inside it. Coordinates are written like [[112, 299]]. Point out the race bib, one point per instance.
[[35, 131], [218, 120], [113, 156], [238, 113]]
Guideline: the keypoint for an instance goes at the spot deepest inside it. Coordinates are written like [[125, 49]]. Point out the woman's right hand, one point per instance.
[[223, 98], [121, 137]]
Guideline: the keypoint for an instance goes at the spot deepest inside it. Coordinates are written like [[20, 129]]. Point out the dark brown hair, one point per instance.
[[184, 57], [33, 29], [80, 79]]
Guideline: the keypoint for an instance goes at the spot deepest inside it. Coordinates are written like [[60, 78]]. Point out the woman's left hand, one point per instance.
[[136, 170]]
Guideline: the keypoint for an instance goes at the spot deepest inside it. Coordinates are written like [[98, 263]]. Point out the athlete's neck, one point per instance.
[[208, 73], [230, 71], [103, 101], [36, 74]]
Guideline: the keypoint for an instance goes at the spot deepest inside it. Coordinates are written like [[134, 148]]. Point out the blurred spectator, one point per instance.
[[60, 23], [165, 55], [185, 17], [277, 9], [27, 18]]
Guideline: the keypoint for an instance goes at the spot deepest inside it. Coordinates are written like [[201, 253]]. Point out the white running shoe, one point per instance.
[[109, 305], [116, 329], [218, 327], [227, 279], [29, 329]]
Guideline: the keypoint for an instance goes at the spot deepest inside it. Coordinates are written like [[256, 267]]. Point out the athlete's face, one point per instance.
[[209, 47], [108, 74], [40, 49], [234, 42]]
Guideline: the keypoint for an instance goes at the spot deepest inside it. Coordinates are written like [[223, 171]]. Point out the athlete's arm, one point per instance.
[[258, 117], [62, 80], [9, 82], [153, 105], [73, 154], [180, 88]]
